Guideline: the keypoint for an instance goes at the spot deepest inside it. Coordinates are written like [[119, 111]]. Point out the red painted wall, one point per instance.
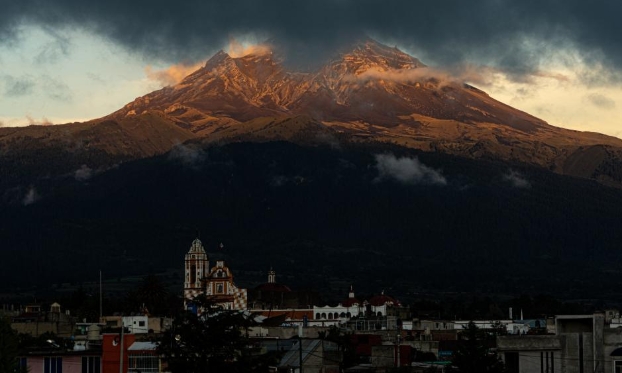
[[111, 352]]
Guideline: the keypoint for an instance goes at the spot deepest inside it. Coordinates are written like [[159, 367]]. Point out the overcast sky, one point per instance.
[[70, 60]]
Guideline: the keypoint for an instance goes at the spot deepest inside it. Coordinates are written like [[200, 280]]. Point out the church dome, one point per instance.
[[350, 302], [382, 299], [273, 287]]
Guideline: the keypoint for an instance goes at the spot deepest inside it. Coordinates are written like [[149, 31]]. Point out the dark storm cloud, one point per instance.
[[52, 51], [515, 35]]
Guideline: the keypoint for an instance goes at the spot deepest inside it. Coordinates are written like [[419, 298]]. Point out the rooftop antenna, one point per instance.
[[101, 315]]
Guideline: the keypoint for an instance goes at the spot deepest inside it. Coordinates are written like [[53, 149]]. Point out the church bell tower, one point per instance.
[[196, 269]]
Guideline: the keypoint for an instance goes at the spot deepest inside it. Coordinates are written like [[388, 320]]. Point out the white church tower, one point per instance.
[[196, 269]]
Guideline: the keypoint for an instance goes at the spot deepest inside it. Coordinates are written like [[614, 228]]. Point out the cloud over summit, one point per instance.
[[518, 36]]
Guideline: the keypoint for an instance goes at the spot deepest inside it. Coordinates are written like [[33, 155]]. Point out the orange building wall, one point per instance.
[[111, 354]]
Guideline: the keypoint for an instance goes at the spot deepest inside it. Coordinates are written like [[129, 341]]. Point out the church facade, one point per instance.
[[216, 282]]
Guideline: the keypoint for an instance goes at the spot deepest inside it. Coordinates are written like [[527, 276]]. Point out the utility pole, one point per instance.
[[101, 315], [398, 364], [300, 352], [121, 352]]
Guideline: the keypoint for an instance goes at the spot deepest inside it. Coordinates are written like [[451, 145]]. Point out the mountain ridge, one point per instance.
[[366, 92], [372, 92]]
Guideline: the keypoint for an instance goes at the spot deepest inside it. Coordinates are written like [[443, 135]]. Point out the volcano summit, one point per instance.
[[369, 92], [365, 92]]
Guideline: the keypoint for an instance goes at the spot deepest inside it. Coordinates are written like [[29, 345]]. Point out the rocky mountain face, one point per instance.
[[370, 93], [39, 157], [367, 92], [412, 173]]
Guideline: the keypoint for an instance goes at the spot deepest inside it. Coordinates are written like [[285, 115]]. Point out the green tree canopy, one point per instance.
[[473, 354], [9, 347], [151, 295], [212, 342]]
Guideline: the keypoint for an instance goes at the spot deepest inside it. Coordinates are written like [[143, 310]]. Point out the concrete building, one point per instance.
[[314, 355], [580, 344], [34, 320], [62, 361], [138, 324]]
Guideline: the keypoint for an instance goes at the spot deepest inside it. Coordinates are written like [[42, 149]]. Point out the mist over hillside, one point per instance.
[[377, 215]]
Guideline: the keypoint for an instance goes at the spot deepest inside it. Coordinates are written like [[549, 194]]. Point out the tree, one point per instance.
[[211, 342], [150, 296], [344, 341], [498, 328], [473, 354], [9, 347]]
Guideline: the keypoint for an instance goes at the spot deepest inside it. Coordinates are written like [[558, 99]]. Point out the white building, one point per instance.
[[352, 307]]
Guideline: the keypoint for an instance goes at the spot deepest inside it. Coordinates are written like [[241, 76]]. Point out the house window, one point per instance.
[[91, 364], [617, 366], [220, 288], [143, 363], [22, 364], [53, 365], [141, 323]]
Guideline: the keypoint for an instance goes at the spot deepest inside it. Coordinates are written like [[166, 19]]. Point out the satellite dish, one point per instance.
[[115, 341]]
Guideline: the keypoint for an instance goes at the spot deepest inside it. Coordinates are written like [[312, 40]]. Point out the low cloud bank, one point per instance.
[[517, 180], [83, 173], [189, 155], [31, 197], [407, 170]]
